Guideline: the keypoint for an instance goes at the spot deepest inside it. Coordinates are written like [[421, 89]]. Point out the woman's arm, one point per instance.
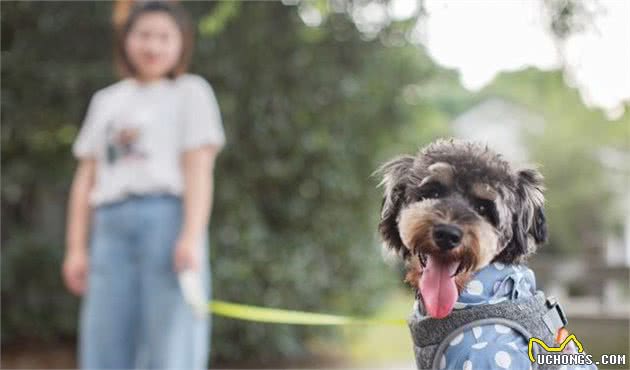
[[75, 265], [198, 166]]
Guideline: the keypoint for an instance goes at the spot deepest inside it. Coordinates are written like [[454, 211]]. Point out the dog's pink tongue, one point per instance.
[[438, 288]]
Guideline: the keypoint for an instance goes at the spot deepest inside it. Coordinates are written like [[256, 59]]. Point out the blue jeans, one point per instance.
[[133, 314]]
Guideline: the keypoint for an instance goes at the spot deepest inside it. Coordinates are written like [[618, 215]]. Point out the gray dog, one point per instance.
[[465, 222]]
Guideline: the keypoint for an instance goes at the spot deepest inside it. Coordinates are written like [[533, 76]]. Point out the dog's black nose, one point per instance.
[[447, 236]]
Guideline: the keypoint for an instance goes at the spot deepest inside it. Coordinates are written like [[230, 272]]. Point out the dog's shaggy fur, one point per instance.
[[496, 212]]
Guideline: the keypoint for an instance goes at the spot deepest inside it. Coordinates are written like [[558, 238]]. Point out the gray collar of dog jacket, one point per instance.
[[531, 316]]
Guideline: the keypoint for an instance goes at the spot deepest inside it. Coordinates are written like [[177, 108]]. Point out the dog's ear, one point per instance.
[[394, 182], [531, 190], [529, 226]]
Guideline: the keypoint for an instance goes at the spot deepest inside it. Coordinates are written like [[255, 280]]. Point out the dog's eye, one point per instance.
[[486, 209], [432, 191]]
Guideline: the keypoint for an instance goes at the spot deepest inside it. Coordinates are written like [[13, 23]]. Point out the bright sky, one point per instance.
[[482, 38]]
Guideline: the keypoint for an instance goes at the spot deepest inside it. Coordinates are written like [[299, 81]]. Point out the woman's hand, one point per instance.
[[186, 255], [197, 166], [75, 264], [75, 271]]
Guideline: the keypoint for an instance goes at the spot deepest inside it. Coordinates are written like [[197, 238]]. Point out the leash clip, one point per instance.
[[555, 318]]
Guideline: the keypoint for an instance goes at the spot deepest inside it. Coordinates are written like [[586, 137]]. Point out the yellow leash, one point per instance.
[[278, 316]]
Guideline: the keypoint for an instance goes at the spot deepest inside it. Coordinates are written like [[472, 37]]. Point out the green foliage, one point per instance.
[[294, 222], [34, 310], [50, 67], [215, 22]]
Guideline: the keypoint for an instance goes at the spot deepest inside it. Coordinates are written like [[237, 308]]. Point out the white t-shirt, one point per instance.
[[137, 133]]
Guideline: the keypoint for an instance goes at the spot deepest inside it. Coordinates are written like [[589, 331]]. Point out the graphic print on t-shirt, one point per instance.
[[123, 143]]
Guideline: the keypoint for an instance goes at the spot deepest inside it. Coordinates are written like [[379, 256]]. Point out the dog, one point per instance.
[[465, 222]]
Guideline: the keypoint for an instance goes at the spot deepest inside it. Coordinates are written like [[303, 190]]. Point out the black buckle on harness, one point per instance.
[[555, 318]]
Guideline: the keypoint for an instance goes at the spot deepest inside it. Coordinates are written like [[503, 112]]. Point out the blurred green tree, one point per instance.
[[51, 66]]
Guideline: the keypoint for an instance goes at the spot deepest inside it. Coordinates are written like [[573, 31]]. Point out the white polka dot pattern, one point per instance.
[[457, 340], [503, 359], [474, 287], [501, 329], [477, 331], [467, 365]]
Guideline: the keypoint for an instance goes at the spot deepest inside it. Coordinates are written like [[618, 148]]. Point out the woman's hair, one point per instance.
[[123, 23]]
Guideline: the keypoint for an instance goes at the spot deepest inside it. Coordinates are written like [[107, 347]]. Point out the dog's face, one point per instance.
[[453, 209]]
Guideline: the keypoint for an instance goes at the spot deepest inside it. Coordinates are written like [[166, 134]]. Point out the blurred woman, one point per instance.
[[141, 198]]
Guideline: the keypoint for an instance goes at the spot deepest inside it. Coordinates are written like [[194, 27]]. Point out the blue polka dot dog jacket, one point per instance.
[[490, 326]]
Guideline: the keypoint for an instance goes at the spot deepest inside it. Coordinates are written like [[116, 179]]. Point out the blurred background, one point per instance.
[[314, 96]]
